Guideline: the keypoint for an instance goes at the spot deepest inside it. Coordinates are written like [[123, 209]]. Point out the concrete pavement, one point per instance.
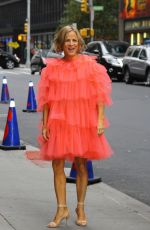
[[27, 199]]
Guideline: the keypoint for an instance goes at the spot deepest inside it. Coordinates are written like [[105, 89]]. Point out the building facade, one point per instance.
[[45, 16], [135, 17]]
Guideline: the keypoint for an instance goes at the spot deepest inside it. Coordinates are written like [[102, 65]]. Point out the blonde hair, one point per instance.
[[59, 38]]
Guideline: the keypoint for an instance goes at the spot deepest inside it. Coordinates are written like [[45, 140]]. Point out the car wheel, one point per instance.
[[148, 78], [127, 77], [10, 64], [32, 71], [120, 78]]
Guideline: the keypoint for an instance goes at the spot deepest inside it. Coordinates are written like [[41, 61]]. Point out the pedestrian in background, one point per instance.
[[72, 93]]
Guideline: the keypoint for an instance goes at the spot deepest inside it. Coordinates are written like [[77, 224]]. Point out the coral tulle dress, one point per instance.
[[73, 89]]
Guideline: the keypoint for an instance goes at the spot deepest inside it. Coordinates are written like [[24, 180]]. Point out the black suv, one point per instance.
[[8, 61], [110, 54], [136, 64]]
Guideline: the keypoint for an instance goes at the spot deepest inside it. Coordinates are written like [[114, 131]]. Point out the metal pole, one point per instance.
[[121, 23], [28, 33], [91, 15]]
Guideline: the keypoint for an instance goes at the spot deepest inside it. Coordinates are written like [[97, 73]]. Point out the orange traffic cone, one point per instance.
[[91, 178], [31, 102], [11, 139]]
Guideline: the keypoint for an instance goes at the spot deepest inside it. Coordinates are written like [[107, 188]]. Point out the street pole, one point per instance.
[[28, 33], [121, 23], [91, 10]]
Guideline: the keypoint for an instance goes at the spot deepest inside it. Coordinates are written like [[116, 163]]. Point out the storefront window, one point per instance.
[[42, 41], [132, 41], [138, 38]]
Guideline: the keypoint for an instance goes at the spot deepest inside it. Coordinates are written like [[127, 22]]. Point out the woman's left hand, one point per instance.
[[100, 129], [45, 133]]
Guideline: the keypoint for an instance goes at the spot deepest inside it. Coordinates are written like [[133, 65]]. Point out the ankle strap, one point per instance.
[[80, 203], [61, 205]]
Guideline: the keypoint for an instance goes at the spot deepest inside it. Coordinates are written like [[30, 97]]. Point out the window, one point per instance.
[[136, 53], [143, 54], [90, 48], [129, 52], [94, 48], [116, 48]]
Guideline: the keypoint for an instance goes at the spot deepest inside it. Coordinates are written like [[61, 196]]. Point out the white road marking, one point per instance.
[[17, 71], [3, 115]]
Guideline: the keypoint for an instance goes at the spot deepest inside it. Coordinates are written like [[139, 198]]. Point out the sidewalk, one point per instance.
[[24, 66], [27, 200]]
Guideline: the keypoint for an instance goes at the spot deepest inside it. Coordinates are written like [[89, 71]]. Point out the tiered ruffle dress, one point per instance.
[[72, 90]]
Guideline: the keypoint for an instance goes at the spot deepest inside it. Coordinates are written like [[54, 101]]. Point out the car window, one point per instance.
[[36, 55], [94, 48], [129, 52], [40, 53], [116, 48], [99, 48], [91, 47], [51, 54], [143, 54], [136, 53], [44, 53]]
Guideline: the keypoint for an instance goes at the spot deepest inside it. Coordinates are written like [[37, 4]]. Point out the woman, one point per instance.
[[72, 93]]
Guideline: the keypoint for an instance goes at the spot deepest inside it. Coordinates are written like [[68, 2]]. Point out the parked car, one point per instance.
[[8, 61], [40, 59], [110, 54], [136, 64]]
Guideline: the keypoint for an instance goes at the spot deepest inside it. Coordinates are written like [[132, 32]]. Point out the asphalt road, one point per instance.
[[129, 133]]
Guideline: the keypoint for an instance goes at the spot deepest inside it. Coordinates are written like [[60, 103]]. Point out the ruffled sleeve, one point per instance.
[[102, 82], [42, 89]]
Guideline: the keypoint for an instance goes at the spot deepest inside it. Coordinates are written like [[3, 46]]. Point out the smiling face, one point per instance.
[[71, 45]]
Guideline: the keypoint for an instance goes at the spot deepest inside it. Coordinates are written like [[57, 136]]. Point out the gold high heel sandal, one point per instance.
[[79, 221], [55, 224]]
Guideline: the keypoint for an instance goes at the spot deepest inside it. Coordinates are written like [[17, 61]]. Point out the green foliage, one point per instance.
[[72, 14], [105, 22]]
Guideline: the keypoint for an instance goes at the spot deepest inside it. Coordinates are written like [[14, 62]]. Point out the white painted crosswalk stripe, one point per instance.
[[8, 72], [16, 71], [3, 115]]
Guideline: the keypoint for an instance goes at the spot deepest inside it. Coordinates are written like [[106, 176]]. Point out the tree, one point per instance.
[[72, 14], [105, 22]]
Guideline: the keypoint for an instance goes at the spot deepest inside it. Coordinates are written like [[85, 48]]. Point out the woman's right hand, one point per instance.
[[45, 133]]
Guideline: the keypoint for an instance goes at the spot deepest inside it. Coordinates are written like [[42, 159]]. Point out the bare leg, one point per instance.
[[81, 186], [60, 191], [59, 181]]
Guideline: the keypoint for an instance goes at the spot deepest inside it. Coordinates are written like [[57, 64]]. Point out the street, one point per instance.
[[129, 133]]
